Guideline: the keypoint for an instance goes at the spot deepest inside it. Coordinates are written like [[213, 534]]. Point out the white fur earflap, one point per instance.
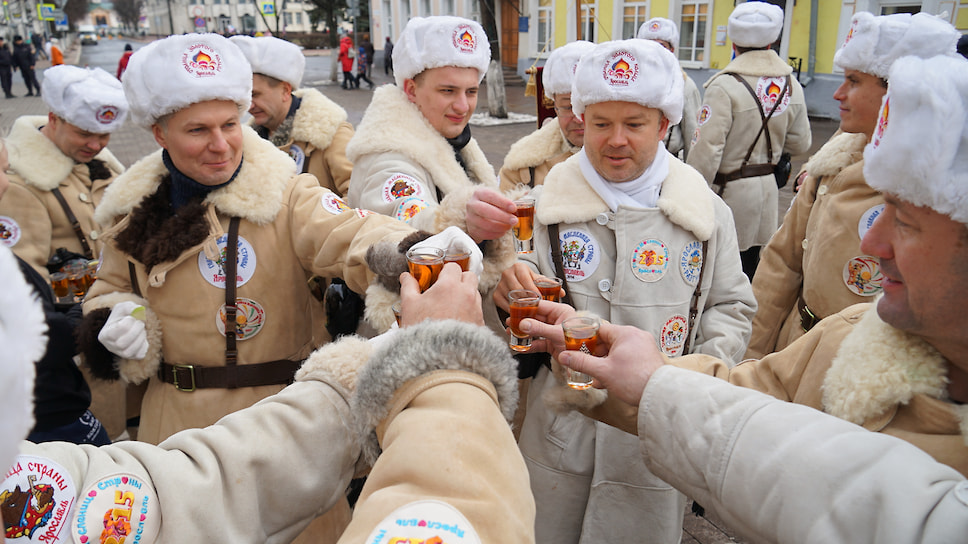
[[23, 335], [874, 43], [919, 150], [559, 69], [638, 71], [660, 28], [433, 42], [754, 24]]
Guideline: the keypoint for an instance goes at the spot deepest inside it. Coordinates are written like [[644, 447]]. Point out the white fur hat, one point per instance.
[[23, 335], [273, 57], [659, 28], [639, 71], [90, 99], [559, 70], [169, 75], [919, 151], [432, 42], [874, 43], [755, 24]]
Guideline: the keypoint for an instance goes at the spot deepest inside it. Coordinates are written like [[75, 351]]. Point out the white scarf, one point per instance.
[[642, 192]]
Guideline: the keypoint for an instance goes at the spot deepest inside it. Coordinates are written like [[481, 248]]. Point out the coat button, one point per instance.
[[822, 190], [83, 197], [803, 244], [93, 235], [605, 285], [602, 219]]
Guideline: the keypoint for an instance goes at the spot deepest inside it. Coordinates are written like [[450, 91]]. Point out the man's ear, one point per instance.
[[410, 89], [159, 134]]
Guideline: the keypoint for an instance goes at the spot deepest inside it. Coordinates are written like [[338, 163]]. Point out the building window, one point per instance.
[[405, 9], [388, 17], [447, 7], [544, 20], [424, 8], [589, 20], [287, 18], [692, 30], [633, 15]]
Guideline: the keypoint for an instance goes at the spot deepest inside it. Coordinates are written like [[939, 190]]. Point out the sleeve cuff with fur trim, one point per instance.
[[337, 363], [421, 349], [106, 365]]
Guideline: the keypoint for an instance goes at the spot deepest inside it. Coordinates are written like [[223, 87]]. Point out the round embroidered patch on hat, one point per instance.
[[106, 115], [249, 318], [201, 60], [867, 220], [463, 38], [650, 260], [409, 207], [425, 522], [690, 262], [9, 231], [768, 90], [654, 26], [862, 275], [881, 122], [400, 186], [704, 114], [38, 500], [214, 271], [334, 204], [850, 33], [673, 337], [119, 508], [580, 254], [298, 156], [620, 69]]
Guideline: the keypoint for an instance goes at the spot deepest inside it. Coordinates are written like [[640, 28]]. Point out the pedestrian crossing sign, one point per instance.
[[267, 8], [46, 11]]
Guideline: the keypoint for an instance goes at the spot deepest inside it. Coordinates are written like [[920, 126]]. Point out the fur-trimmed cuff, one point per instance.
[[563, 399], [104, 364], [337, 363], [424, 348], [378, 311]]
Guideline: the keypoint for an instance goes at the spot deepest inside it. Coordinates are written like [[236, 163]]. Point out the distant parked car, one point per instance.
[[89, 38]]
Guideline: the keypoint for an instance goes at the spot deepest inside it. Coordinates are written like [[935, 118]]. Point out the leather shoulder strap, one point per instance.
[[694, 305], [231, 270], [559, 262], [75, 224]]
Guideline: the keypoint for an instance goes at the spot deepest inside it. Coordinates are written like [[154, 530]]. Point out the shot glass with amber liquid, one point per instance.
[[425, 265], [523, 303], [550, 288], [61, 284], [459, 256], [581, 334], [524, 230]]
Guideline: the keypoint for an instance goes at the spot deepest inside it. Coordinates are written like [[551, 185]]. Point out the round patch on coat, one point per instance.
[[695, 137], [297, 154], [214, 271], [768, 90], [690, 262], [425, 522], [650, 260], [867, 220], [580, 254], [409, 207], [673, 337], [334, 204], [249, 318], [119, 508], [704, 114], [362, 213], [400, 186], [9, 231], [862, 275], [38, 496]]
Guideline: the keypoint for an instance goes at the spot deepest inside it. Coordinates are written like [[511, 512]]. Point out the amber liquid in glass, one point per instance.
[[425, 270], [464, 260], [524, 230], [61, 286], [549, 290]]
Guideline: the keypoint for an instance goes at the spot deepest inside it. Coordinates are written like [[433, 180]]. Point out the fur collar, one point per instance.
[[685, 198], [38, 161], [255, 195], [541, 145], [393, 124], [840, 152], [755, 63], [878, 367], [316, 121]]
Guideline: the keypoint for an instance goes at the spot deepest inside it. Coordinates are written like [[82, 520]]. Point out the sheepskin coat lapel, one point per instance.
[[755, 63], [317, 118]]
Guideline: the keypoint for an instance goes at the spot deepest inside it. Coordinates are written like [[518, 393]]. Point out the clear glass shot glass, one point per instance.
[[524, 230], [581, 334], [523, 303]]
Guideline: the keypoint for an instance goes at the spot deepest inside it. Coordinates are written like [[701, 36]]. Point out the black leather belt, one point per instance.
[[808, 319], [190, 377]]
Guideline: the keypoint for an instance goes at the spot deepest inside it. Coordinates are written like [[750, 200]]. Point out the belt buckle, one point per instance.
[[191, 372], [805, 313]]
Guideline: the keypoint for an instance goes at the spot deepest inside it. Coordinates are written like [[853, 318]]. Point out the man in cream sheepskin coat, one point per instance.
[[643, 242], [530, 158], [208, 345], [413, 155], [813, 266], [729, 121], [302, 122]]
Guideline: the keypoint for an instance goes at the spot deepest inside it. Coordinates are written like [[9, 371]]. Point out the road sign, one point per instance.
[[46, 11], [197, 11], [60, 20], [200, 22], [267, 8]]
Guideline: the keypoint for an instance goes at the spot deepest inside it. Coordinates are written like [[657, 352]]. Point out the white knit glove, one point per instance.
[[454, 238], [124, 334]]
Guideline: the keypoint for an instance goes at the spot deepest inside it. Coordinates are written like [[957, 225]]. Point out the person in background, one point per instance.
[[39, 45], [6, 63], [24, 59], [666, 33], [55, 53], [387, 56], [367, 46], [362, 65], [346, 55], [123, 61]]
